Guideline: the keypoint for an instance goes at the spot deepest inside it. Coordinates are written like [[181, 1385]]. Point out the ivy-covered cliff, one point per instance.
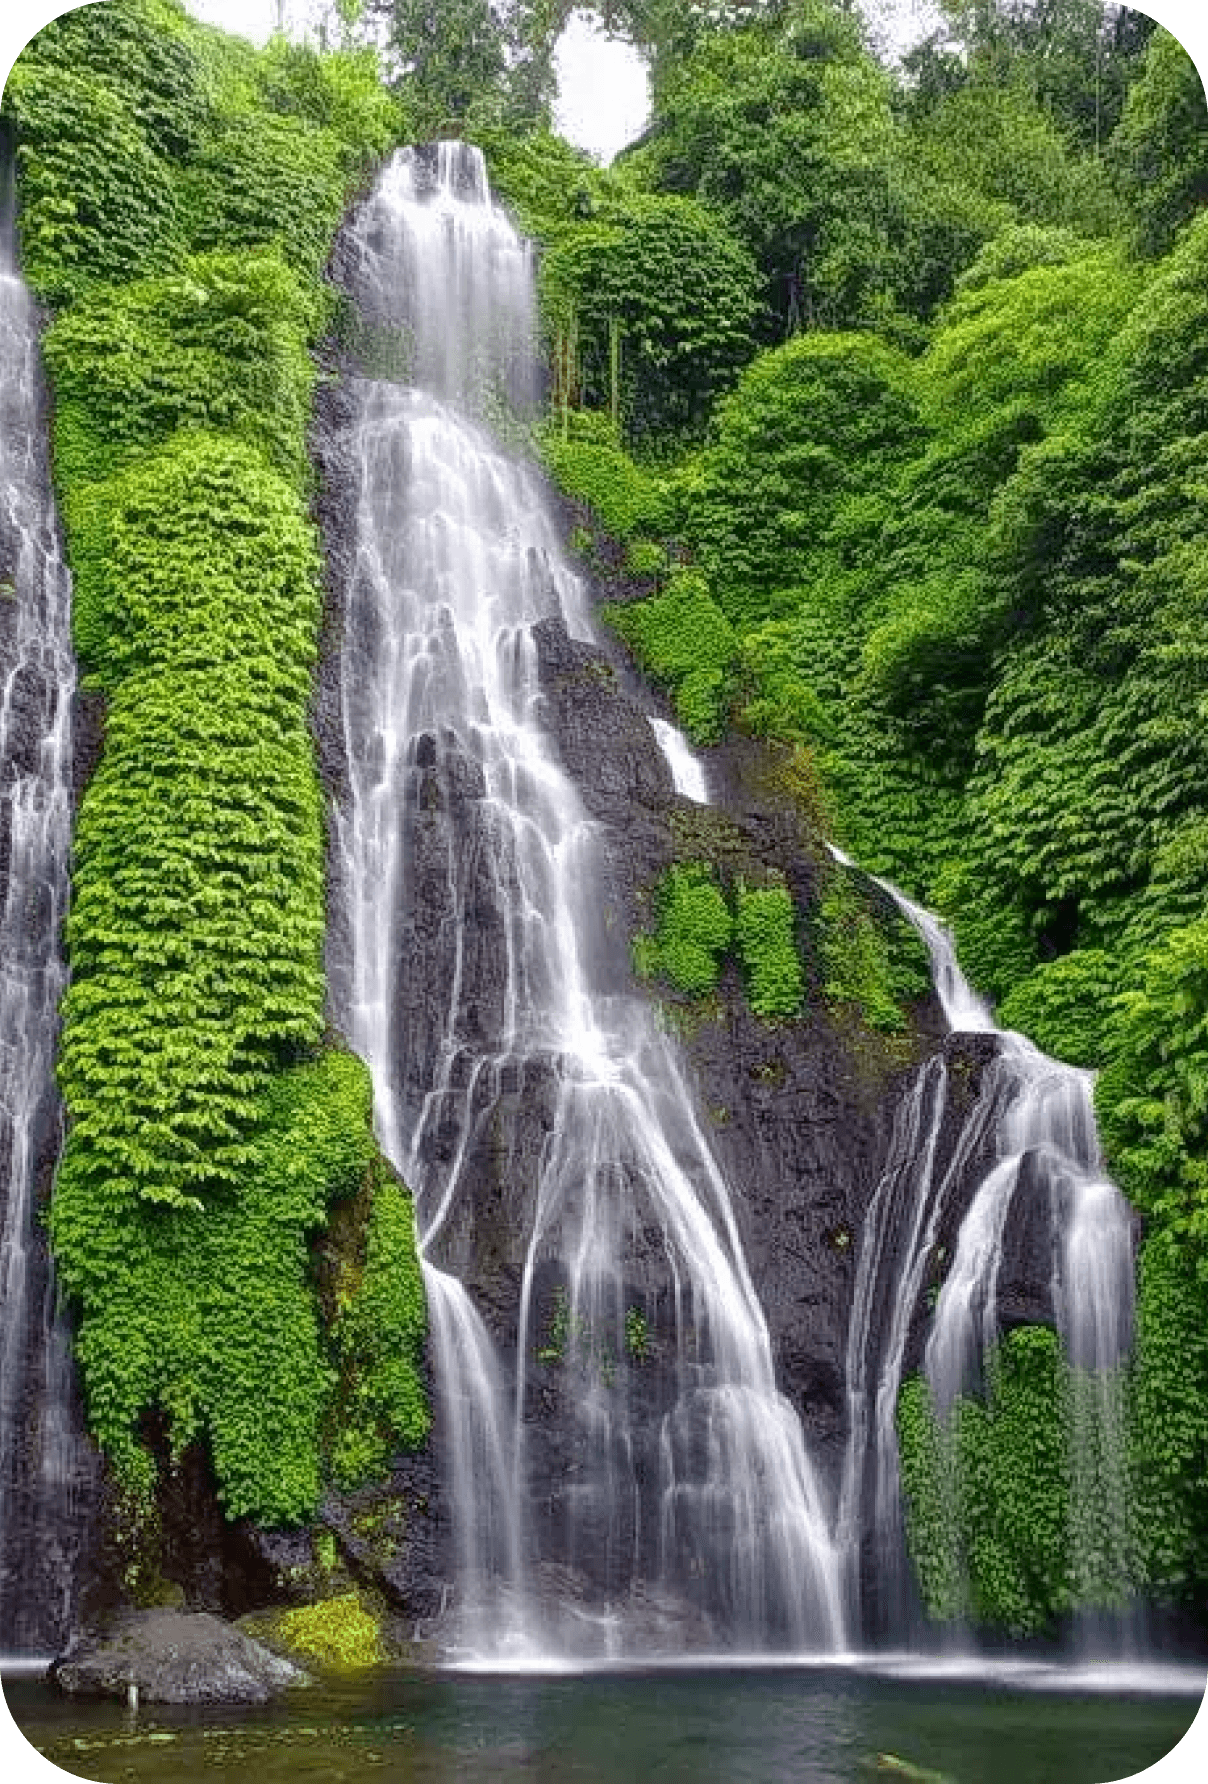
[[178, 196]]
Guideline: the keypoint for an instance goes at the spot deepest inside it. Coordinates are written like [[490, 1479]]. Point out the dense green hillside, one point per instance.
[[885, 397]]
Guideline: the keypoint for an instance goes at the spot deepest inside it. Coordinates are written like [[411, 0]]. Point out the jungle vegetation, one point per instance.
[[889, 385]]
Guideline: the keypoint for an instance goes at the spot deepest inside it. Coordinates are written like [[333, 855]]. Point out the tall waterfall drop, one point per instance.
[[531, 1091], [38, 1451], [1033, 1121]]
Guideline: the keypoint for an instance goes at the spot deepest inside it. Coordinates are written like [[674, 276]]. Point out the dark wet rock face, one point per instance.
[[178, 1657], [798, 1113], [394, 1536]]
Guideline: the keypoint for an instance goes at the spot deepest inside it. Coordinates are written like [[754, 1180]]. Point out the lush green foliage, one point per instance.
[[764, 931], [179, 192], [692, 932], [697, 925], [220, 346], [626, 499], [142, 136], [866, 962], [197, 921], [998, 141], [987, 1491], [1169, 1424], [786, 128], [684, 639], [1153, 1099], [659, 302], [208, 1313], [930, 1494], [800, 447], [334, 1634], [99, 202], [1067, 1006], [1077, 57], [1161, 149]]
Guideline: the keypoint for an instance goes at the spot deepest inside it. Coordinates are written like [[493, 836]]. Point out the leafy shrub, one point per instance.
[[98, 203], [221, 346], [1160, 151], [679, 291], [339, 90], [763, 929], [147, 53], [854, 954], [646, 558], [197, 919], [337, 1634], [1067, 1006], [996, 140], [289, 194], [1168, 1424], [808, 427], [685, 641], [1152, 1101], [930, 1499], [692, 932], [547, 182], [626, 499], [210, 1314], [1003, 1467], [1019, 249]]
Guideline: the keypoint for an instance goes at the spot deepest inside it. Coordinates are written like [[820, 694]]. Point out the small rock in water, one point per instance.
[[169, 1656]]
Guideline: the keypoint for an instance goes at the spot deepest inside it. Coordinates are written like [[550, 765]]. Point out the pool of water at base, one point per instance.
[[716, 1726]]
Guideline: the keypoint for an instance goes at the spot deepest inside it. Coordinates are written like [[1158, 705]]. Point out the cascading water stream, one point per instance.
[[1035, 1118], [38, 1451], [687, 773], [532, 1084]]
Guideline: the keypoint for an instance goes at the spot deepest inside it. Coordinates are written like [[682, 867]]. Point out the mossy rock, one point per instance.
[[342, 1634]]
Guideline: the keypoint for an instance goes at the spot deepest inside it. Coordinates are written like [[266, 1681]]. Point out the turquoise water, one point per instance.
[[824, 1726]]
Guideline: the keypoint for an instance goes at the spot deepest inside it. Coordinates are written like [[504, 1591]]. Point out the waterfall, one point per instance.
[[622, 1465], [687, 773], [39, 1460], [1034, 1120]]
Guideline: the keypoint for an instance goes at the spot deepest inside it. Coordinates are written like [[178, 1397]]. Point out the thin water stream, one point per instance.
[[687, 772]]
